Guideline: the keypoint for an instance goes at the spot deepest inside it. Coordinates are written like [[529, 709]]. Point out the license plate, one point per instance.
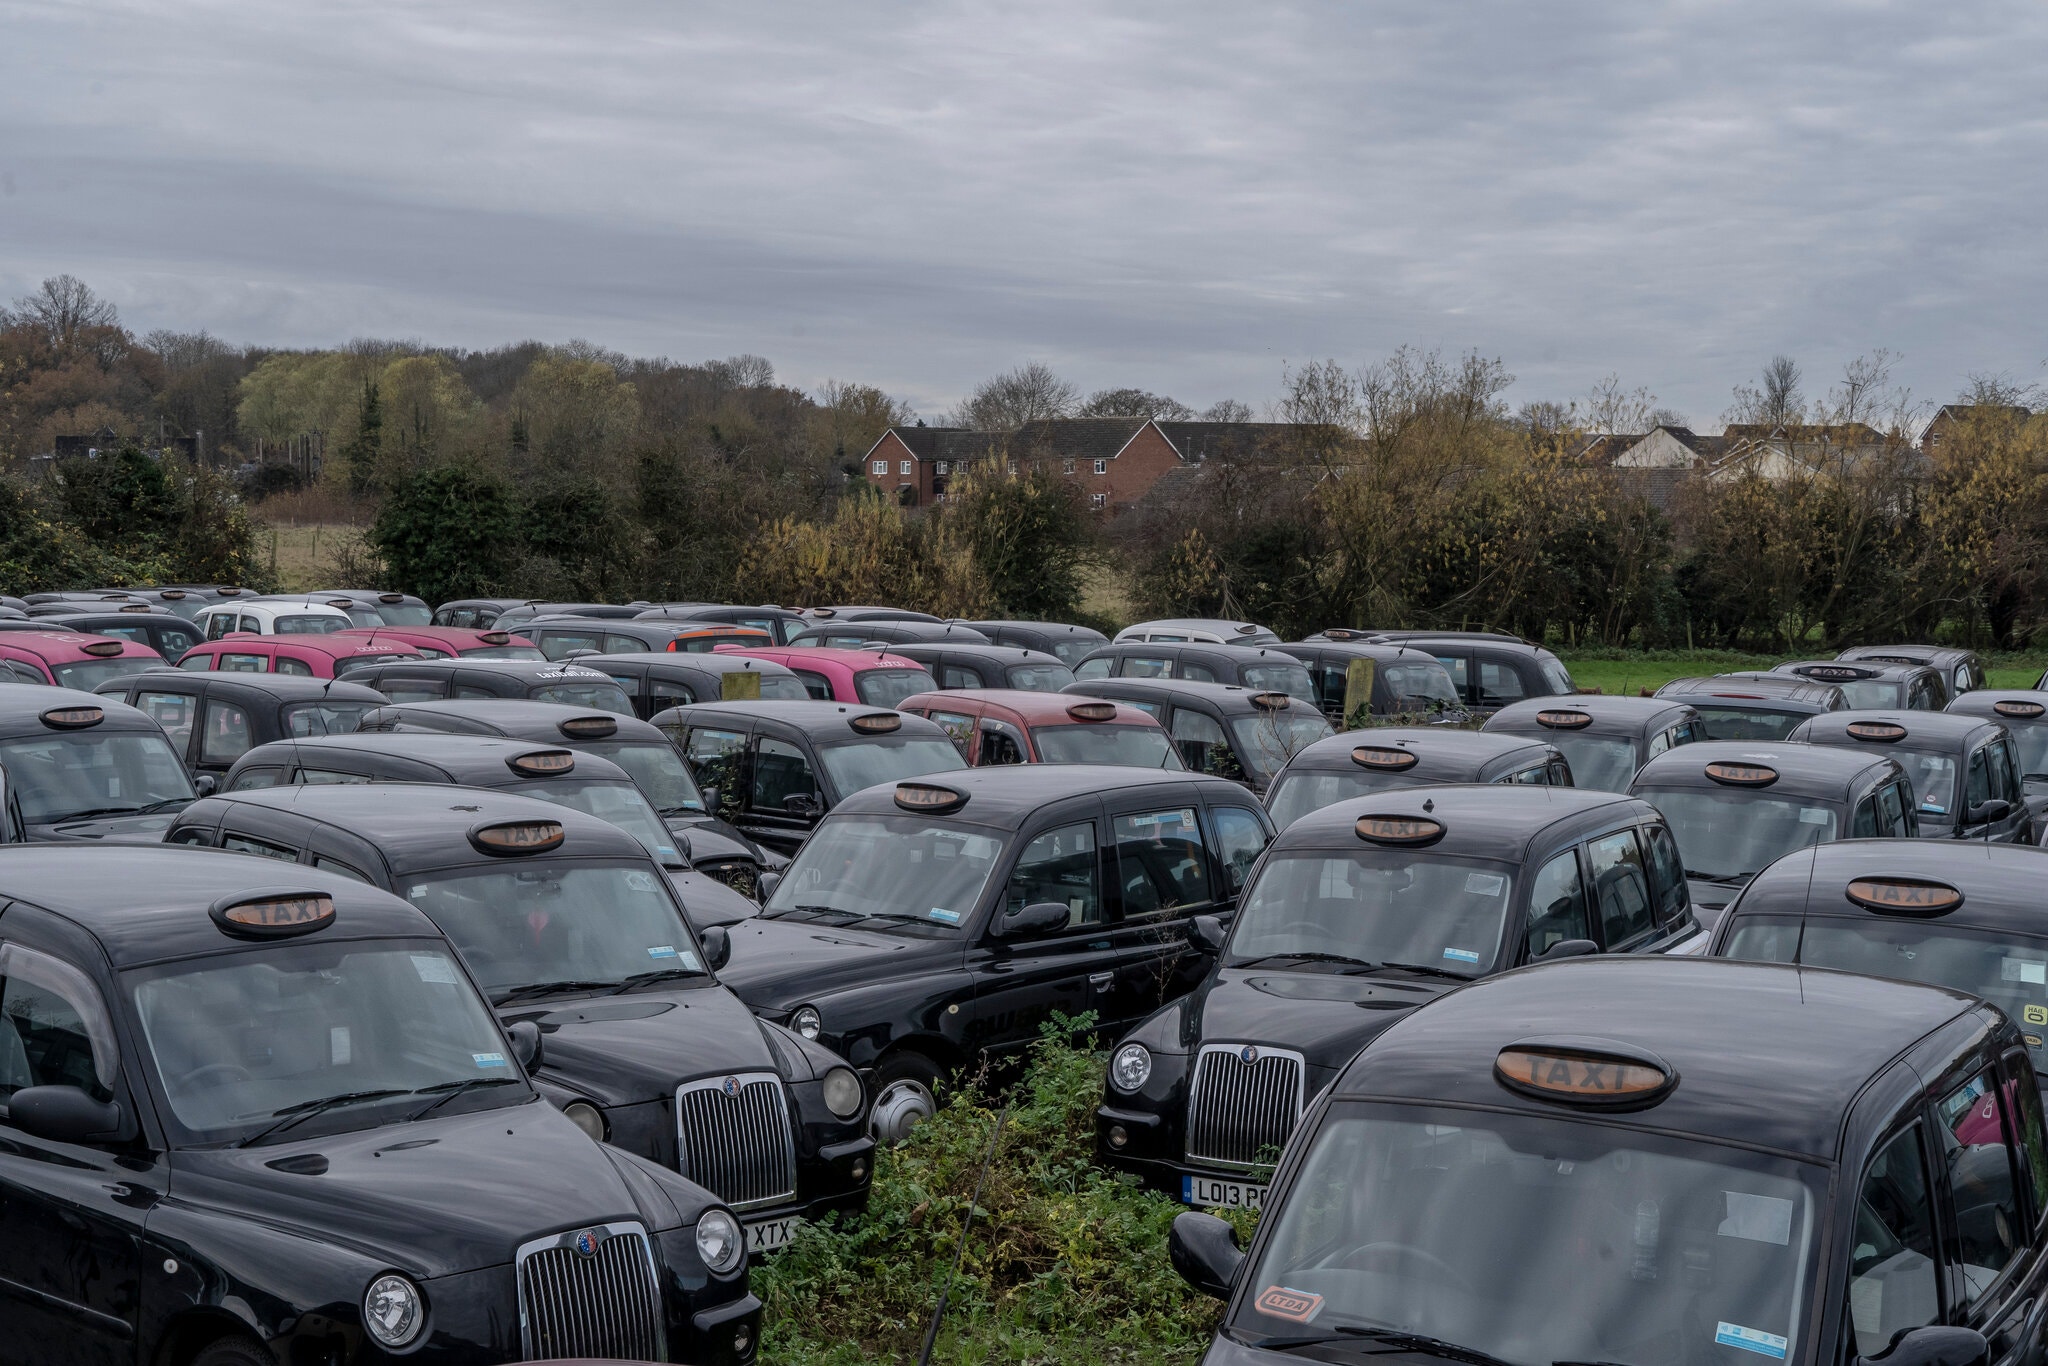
[[770, 1234], [1201, 1190]]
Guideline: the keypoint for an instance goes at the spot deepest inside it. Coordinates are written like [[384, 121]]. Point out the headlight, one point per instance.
[[842, 1092], [584, 1116], [720, 1242], [393, 1310], [1130, 1068], [806, 1022]]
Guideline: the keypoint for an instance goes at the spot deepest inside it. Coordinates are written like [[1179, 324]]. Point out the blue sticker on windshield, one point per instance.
[[1750, 1340], [490, 1059], [662, 951], [1462, 955], [941, 913]]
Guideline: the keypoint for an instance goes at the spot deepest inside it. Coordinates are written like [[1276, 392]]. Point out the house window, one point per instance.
[[1098, 501], [945, 468], [1066, 467], [1102, 467], [903, 467], [1011, 465], [881, 467]]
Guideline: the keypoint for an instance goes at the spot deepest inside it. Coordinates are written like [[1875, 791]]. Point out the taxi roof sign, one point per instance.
[[1271, 701], [1743, 775], [1880, 732], [1399, 830], [1836, 671], [1905, 896], [1093, 711], [273, 915], [1564, 720], [1600, 1074], [72, 718], [589, 727], [103, 648], [516, 838], [496, 637], [544, 762], [1391, 760], [2013, 707], [929, 798], [876, 722]]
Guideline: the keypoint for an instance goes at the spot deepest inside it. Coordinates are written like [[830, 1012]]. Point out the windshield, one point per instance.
[[240, 1039], [863, 763], [324, 718], [658, 771], [602, 695], [1733, 721], [535, 923], [1731, 836], [1871, 694], [1476, 1228], [1297, 794], [1377, 906], [1292, 679], [310, 625], [2032, 744], [86, 675], [888, 687], [73, 776], [1605, 763], [1072, 652], [1267, 742], [619, 803], [1934, 783], [1040, 677], [896, 867], [2009, 970], [1419, 687], [404, 614], [527, 652], [1095, 743]]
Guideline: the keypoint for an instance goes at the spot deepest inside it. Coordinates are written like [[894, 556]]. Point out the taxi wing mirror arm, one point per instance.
[[717, 946], [1028, 922], [1569, 948], [1206, 933], [205, 784], [65, 1114], [1205, 1252], [525, 1037], [1937, 1345]]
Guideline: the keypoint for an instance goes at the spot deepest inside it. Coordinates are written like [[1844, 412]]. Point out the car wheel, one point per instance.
[[234, 1351], [906, 1094]]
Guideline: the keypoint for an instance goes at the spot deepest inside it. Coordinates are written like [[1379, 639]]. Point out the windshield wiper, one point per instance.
[[1732, 879], [506, 995], [1308, 956], [1400, 1342], [1429, 969], [306, 1109], [449, 1090], [819, 911], [642, 979], [92, 812]]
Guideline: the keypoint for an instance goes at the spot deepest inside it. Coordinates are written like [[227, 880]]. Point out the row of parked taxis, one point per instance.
[[495, 982]]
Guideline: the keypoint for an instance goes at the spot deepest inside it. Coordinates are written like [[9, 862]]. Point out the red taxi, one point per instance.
[[72, 659], [1007, 726], [447, 642], [330, 656], [871, 677]]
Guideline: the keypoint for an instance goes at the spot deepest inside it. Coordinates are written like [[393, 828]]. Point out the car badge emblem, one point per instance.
[[731, 1087], [586, 1242], [1248, 1053]]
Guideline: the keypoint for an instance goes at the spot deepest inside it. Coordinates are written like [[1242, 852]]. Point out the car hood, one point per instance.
[[621, 1050], [108, 829], [779, 963], [1324, 1017], [712, 840], [1711, 899], [435, 1198], [706, 900]]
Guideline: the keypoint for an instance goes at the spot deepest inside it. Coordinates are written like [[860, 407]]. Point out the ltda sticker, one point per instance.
[[1750, 1340], [1277, 1301]]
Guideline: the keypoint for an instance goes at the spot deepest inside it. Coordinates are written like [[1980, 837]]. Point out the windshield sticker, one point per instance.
[[1461, 955], [2024, 970], [1758, 1218], [339, 1050], [1934, 808], [489, 1059], [642, 882], [1277, 1301], [2035, 1015], [417, 890], [941, 913], [1484, 884], [1750, 1340], [432, 967], [662, 951], [1815, 815]]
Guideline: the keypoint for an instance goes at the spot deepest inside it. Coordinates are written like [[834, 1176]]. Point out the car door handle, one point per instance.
[[1101, 980]]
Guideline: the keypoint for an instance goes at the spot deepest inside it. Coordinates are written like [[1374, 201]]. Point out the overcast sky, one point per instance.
[[1182, 196]]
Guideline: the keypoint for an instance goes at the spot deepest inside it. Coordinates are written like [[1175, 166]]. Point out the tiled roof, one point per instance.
[[1078, 438], [1201, 440]]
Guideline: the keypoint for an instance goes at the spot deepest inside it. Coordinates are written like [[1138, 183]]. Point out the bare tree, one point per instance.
[[744, 371], [182, 352], [1612, 410], [63, 308], [1668, 417], [1547, 417], [1030, 393], [1227, 410], [1134, 403], [2001, 390], [1777, 402]]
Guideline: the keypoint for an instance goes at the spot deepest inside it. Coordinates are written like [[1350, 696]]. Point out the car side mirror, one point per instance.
[[710, 796], [717, 946], [1568, 948], [800, 804], [1029, 922], [63, 1114], [1205, 1252], [1997, 809], [767, 883], [206, 784], [1206, 933], [1938, 1345], [682, 847], [525, 1036]]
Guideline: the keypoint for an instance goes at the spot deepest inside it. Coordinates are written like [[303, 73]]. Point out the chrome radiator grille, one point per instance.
[[1242, 1105], [741, 875], [591, 1292], [733, 1138]]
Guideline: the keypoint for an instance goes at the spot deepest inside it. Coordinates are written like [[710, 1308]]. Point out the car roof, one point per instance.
[[278, 606], [1034, 708], [1611, 714], [1766, 1054], [907, 632], [2000, 883], [1491, 820], [998, 654], [454, 635], [1870, 669], [472, 759], [86, 621], [67, 647], [792, 655], [22, 707], [148, 903], [333, 644], [1231, 649], [530, 670], [283, 687], [1228, 697], [828, 719], [1388, 652], [1003, 795], [1918, 654], [525, 719], [1984, 702], [706, 661], [1755, 688], [1215, 626], [1434, 747], [423, 825], [1804, 769], [1938, 727], [1048, 627]]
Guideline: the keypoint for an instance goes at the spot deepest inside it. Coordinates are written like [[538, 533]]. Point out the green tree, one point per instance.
[[446, 532], [359, 454], [1030, 538]]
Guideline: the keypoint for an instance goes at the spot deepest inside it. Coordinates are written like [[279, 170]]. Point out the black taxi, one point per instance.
[[1964, 769], [1357, 762], [931, 923], [2024, 714], [1260, 667], [1605, 739], [1220, 728], [1358, 914], [1351, 676], [1735, 807], [779, 622], [263, 1114], [1686, 1162], [955, 665], [705, 842], [1874, 683], [77, 766], [1490, 670], [552, 772], [564, 922], [1754, 706], [656, 681], [215, 718], [1961, 670], [1069, 644], [423, 680], [774, 769]]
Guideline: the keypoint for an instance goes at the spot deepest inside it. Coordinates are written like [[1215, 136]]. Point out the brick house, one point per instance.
[[1952, 415], [1114, 460]]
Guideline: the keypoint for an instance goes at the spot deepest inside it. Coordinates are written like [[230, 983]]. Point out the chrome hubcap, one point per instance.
[[901, 1107]]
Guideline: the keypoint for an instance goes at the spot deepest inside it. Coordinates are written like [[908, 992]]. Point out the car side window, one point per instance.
[[219, 624], [953, 676], [299, 667], [1000, 743], [817, 685], [1093, 668], [193, 835], [2005, 778], [1892, 1283], [54, 1028], [780, 772], [226, 736], [1460, 669], [1160, 862], [1892, 806], [250, 779], [242, 664], [1557, 905], [959, 729], [1061, 866], [1499, 684], [329, 777], [1203, 746], [1621, 888], [1659, 742], [556, 644], [715, 759], [1667, 876], [415, 689], [626, 645], [1198, 673], [663, 693], [196, 662], [1863, 826], [246, 844], [174, 711], [1977, 1145], [337, 866], [2025, 1113], [1240, 839], [1978, 790], [1560, 772], [1142, 666]]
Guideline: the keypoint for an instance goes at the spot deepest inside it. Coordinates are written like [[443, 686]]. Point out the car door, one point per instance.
[[177, 711], [717, 755], [2015, 825], [783, 797], [1675, 919], [2002, 1310], [1459, 665], [1557, 906], [1981, 1190], [1238, 835], [1623, 903], [1164, 878], [71, 1214], [1500, 682], [226, 732]]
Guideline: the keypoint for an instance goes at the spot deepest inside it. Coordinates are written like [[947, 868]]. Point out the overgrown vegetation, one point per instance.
[[1064, 1263]]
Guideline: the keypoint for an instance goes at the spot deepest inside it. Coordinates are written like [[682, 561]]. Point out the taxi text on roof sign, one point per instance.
[[1743, 775], [519, 837], [1368, 757], [924, 797], [876, 722], [1584, 1072], [549, 761], [1564, 720], [1093, 711], [1399, 830], [1876, 730], [274, 917], [2010, 707], [1903, 896]]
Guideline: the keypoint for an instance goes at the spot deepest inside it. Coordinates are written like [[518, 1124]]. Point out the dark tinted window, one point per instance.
[[1061, 866], [1557, 905], [1160, 861], [1983, 1174], [1621, 888], [1891, 1263]]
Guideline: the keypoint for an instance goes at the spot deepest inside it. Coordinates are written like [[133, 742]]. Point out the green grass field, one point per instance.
[[1629, 672]]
